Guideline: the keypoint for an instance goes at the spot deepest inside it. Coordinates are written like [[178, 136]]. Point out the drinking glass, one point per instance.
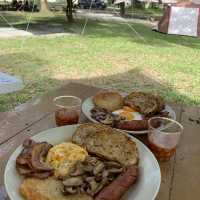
[[68, 109], [163, 137]]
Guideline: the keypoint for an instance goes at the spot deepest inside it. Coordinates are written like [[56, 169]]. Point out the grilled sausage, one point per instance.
[[139, 125], [120, 185], [133, 125]]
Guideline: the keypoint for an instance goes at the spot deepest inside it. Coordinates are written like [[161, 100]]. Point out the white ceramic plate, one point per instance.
[[88, 105], [146, 187]]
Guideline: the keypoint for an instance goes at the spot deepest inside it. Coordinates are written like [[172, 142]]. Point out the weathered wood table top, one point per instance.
[[180, 176]]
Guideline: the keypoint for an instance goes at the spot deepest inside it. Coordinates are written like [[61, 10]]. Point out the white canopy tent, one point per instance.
[[181, 19]]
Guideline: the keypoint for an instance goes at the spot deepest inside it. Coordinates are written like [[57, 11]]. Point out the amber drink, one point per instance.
[[68, 110], [163, 137]]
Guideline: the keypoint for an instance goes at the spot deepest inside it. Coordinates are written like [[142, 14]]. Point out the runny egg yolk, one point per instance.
[[127, 115], [129, 109]]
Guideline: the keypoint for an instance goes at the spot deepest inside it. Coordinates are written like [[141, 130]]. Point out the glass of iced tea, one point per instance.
[[163, 137], [68, 109]]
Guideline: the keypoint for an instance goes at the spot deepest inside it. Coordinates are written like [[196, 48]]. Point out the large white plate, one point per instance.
[[88, 105], [146, 187]]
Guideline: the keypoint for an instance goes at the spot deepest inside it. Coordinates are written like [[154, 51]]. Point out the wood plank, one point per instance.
[[30, 112], [186, 171]]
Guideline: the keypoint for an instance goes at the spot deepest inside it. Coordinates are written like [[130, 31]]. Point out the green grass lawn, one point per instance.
[[110, 55]]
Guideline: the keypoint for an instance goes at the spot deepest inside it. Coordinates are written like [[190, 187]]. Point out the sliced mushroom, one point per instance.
[[108, 120], [73, 181], [84, 187], [78, 170], [91, 160], [93, 186], [111, 164], [115, 170], [98, 177], [103, 183], [88, 168], [89, 178], [98, 168], [105, 174], [70, 190]]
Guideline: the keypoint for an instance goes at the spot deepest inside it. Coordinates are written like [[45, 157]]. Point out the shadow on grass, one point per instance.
[[11, 18], [120, 82], [51, 24]]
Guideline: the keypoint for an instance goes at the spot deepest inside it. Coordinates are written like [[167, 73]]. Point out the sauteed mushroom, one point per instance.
[[115, 170], [93, 185], [88, 168], [70, 190], [91, 160], [112, 164], [91, 175], [108, 120], [78, 170], [98, 168], [73, 181]]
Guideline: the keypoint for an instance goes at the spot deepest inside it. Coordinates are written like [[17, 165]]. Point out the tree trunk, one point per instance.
[[69, 10], [44, 6], [122, 9]]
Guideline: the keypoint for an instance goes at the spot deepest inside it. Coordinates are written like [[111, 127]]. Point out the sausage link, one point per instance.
[[116, 189]]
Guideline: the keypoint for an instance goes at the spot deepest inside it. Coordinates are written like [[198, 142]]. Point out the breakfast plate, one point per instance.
[[146, 187], [88, 105]]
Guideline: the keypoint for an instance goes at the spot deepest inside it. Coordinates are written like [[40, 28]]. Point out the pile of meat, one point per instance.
[[31, 160]]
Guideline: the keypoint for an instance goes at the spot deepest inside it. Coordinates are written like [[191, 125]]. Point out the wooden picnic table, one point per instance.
[[180, 176]]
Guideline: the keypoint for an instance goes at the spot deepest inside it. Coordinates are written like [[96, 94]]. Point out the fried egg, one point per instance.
[[128, 113], [63, 157]]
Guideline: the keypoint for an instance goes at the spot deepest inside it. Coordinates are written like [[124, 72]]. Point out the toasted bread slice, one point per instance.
[[106, 142], [47, 189], [146, 103]]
